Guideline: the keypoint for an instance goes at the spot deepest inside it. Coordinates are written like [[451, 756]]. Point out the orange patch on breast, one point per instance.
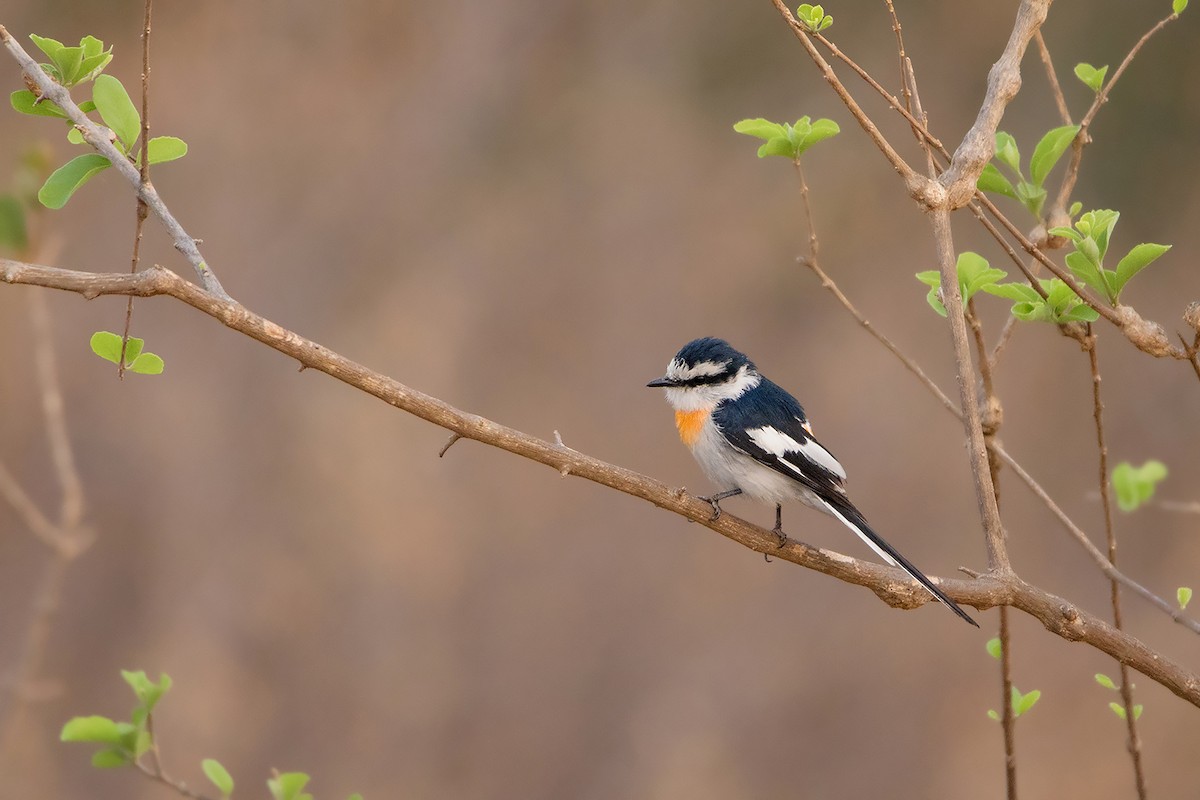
[[690, 423]]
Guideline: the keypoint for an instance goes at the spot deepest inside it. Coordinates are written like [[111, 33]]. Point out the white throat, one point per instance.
[[706, 398]]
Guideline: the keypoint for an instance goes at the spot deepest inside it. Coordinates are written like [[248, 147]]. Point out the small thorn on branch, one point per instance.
[[454, 437]]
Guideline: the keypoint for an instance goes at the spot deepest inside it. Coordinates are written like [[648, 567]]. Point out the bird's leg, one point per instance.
[[715, 501], [778, 529]]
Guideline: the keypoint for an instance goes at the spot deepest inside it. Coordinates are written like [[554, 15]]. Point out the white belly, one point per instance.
[[731, 469]]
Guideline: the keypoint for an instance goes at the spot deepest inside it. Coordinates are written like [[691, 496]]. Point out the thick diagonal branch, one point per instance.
[[1056, 614]]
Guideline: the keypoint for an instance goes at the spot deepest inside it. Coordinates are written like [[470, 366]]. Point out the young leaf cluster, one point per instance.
[[1135, 485], [785, 139], [1092, 77], [1117, 708], [122, 743], [1059, 306], [72, 66], [1021, 703], [813, 17], [1090, 237], [107, 345], [1031, 191]]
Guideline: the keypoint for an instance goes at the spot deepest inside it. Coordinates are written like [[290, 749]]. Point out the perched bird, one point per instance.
[[751, 437]]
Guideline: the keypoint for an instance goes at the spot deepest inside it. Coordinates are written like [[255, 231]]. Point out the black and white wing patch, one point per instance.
[[768, 424]]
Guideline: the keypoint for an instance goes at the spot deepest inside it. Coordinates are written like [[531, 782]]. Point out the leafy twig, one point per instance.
[[98, 137]]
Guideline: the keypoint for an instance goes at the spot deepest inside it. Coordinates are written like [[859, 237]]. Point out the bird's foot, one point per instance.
[[715, 501]]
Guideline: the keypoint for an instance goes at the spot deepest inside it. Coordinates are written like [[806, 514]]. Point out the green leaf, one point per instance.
[[1079, 313], [26, 102], [1135, 485], [1118, 709], [994, 649], [991, 180], [1184, 596], [1177, 6], [933, 279], [1092, 78], [1086, 271], [355, 796], [74, 136], [760, 128], [1105, 681], [13, 235], [50, 47], [111, 758], [95, 58], [1137, 260], [1137, 711], [1067, 233], [818, 131], [67, 179], [148, 692], [106, 345], [1124, 481], [1018, 292], [993, 715], [147, 364], [166, 148], [1032, 196], [1049, 150], [288, 785], [1022, 703], [133, 348], [974, 273], [117, 110], [781, 146], [1007, 152], [219, 776], [1074, 210], [68, 60], [91, 729]]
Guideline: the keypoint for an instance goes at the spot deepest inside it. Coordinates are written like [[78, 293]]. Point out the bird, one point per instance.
[[750, 436]]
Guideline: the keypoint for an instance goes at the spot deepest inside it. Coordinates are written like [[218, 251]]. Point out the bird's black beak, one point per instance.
[[660, 382]]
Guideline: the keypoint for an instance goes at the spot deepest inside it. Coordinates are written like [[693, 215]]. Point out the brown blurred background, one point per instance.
[[525, 207]]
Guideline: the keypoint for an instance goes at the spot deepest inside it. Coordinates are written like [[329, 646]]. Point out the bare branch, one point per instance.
[[1052, 77], [1135, 742]]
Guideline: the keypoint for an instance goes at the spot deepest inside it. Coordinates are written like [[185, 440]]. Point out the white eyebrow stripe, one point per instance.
[[779, 444], [701, 369]]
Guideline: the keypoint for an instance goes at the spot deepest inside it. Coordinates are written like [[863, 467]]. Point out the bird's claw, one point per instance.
[[716, 504]]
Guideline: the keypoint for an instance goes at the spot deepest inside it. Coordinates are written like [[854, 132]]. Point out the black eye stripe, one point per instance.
[[704, 380]]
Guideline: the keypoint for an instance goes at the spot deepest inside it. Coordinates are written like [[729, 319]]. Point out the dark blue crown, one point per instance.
[[715, 351]]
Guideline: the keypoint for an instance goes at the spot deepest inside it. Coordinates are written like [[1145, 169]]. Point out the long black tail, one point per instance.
[[844, 510]]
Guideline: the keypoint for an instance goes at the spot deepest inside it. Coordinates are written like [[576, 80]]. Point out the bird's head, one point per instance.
[[706, 372]]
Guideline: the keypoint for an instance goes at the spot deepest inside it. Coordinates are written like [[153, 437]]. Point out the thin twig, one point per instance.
[[454, 437], [98, 137], [179, 786], [1083, 137], [65, 538], [1008, 721], [1052, 77], [144, 174], [1135, 742]]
